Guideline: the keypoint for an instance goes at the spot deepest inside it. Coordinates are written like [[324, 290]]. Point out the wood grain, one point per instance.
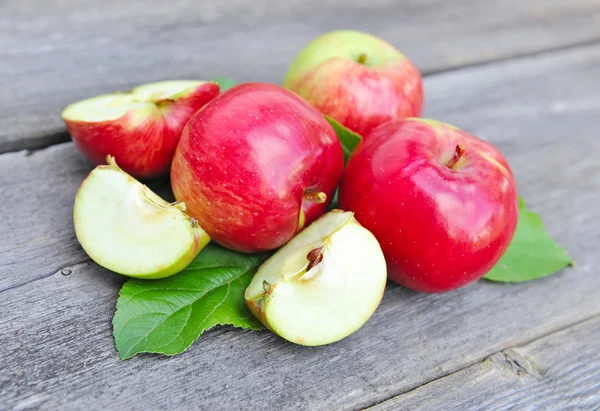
[[54, 54], [519, 106], [55, 329], [560, 371], [38, 190]]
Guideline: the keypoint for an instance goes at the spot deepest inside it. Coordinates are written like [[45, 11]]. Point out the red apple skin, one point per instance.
[[246, 160], [142, 141], [360, 97], [439, 228], [358, 79]]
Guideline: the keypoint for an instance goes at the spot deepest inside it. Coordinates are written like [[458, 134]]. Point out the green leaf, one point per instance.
[[224, 83], [531, 254], [166, 316], [348, 138]]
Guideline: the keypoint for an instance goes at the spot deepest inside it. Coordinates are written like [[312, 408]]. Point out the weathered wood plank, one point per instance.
[[560, 371], [36, 230], [53, 55], [510, 104], [56, 332]]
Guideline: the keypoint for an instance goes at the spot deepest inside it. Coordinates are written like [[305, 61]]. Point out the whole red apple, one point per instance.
[[358, 79], [255, 165], [139, 128], [442, 203]]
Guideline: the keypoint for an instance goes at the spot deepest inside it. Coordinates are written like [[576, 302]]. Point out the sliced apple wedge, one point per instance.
[[140, 127], [323, 285], [125, 227]]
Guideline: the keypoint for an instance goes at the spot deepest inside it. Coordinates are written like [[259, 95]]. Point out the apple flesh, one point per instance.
[[141, 127], [442, 203], [358, 79], [126, 228], [321, 286], [256, 165]]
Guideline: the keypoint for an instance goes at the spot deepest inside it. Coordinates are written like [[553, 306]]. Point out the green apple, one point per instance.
[[358, 79], [323, 285], [126, 228]]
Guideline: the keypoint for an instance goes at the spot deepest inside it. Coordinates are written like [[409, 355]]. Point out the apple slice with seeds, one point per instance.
[[141, 127], [126, 228], [323, 285]]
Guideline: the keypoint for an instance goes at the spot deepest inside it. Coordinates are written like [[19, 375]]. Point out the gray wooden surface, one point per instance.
[[542, 109], [55, 52], [560, 371]]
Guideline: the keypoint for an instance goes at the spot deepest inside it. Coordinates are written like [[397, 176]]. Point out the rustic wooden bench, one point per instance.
[[524, 75]]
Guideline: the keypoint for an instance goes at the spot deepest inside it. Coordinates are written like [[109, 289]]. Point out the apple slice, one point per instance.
[[323, 285], [125, 227], [140, 127]]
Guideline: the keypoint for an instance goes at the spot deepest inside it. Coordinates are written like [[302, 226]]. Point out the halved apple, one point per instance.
[[125, 227], [140, 127], [323, 285]]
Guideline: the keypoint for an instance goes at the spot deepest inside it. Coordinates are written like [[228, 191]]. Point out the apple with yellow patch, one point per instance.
[[140, 127], [442, 203], [358, 79]]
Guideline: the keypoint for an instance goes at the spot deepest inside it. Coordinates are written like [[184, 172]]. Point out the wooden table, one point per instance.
[[524, 75]]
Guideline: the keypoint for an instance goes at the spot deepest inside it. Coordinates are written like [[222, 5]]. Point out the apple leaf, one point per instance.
[[348, 138], [224, 83], [531, 254], [166, 316]]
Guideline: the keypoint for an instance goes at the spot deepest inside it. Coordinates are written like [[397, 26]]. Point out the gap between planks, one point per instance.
[[508, 353], [68, 266], [54, 137], [488, 116], [548, 51]]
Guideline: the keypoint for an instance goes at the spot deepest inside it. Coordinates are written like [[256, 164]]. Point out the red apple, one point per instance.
[[358, 79], [139, 128], [256, 165], [441, 202]]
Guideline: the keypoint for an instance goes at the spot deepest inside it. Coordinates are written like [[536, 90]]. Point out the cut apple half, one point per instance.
[[107, 107], [140, 127], [323, 285], [125, 227]]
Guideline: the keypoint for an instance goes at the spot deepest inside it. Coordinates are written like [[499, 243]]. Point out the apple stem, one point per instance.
[[458, 152], [362, 58], [110, 160], [318, 198], [164, 102]]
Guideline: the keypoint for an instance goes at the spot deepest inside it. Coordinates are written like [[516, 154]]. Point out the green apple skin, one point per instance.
[[358, 79]]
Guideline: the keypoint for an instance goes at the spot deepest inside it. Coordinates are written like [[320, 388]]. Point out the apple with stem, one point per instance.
[[255, 166], [358, 79], [140, 127], [442, 203], [125, 227], [321, 286]]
